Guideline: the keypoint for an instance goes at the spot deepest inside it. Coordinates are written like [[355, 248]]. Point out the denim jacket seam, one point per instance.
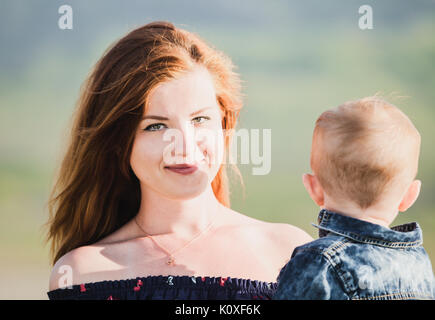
[[368, 240], [332, 249], [399, 295], [330, 254], [337, 246], [323, 223], [386, 242], [329, 260], [339, 274], [329, 263], [325, 218]]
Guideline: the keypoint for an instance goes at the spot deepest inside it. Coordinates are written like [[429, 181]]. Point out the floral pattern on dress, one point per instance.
[[168, 287]]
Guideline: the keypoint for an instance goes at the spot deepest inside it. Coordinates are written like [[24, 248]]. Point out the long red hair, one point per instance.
[[96, 191]]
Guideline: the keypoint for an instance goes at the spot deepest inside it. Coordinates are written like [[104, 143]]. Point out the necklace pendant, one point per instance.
[[171, 261]]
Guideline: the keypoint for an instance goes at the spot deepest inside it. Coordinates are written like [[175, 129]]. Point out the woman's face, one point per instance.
[[178, 148]]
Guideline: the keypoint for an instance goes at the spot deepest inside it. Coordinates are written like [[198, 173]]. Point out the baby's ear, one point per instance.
[[314, 188], [410, 196]]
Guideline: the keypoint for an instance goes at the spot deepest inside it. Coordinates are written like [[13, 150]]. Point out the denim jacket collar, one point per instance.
[[405, 235]]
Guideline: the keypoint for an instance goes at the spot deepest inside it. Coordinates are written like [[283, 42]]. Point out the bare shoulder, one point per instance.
[[280, 240], [282, 234], [287, 233], [273, 242], [73, 267], [98, 261]]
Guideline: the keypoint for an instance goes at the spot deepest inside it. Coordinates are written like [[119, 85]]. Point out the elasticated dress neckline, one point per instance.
[[168, 288]]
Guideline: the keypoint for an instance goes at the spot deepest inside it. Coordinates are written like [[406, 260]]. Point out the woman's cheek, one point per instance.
[[215, 149], [147, 152], [154, 150]]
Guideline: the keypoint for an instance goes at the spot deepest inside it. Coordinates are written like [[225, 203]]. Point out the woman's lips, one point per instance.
[[183, 168]]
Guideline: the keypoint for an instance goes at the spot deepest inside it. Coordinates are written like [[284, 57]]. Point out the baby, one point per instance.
[[364, 160]]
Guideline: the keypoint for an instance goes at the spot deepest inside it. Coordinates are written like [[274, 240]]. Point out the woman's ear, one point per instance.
[[314, 188], [410, 196]]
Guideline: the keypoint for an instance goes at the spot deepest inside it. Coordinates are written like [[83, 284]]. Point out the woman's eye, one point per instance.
[[200, 119], [155, 127]]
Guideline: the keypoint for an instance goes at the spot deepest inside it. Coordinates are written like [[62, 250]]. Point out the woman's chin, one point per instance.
[[185, 195], [188, 190]]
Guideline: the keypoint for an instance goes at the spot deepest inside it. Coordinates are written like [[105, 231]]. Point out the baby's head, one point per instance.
[[364, 159]]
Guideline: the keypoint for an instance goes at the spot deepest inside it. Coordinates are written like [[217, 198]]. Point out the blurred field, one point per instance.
[[296, 61]]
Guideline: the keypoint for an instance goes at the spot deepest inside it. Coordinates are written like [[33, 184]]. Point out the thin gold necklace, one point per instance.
[[171, 259]]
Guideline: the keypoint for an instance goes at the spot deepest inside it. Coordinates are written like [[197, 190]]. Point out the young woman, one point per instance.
[[134, 215]]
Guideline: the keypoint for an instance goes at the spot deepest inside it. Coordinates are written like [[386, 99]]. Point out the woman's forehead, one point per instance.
[[188, 93]]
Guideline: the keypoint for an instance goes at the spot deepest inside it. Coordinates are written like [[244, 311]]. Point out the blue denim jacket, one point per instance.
[[358, 260]]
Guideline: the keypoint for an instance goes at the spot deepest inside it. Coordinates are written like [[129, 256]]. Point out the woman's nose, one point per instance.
[[184, 147], [185, 144]]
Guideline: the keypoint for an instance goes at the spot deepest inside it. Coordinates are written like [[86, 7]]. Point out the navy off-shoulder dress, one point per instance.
[[169, 288]]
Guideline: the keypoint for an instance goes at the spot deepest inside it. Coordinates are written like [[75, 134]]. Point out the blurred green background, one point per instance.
[[296, 58]]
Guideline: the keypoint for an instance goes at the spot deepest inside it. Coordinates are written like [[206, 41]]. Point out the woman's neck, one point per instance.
[[159, 215]]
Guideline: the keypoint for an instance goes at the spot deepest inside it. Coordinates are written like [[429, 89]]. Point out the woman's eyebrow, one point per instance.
[[164, 118], [154, 117], [200, 110]]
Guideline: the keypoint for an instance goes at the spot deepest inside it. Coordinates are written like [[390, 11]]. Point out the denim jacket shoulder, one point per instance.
[[355, 259]]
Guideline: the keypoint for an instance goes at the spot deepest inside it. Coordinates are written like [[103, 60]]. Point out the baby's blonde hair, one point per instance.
[[363, 149]]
